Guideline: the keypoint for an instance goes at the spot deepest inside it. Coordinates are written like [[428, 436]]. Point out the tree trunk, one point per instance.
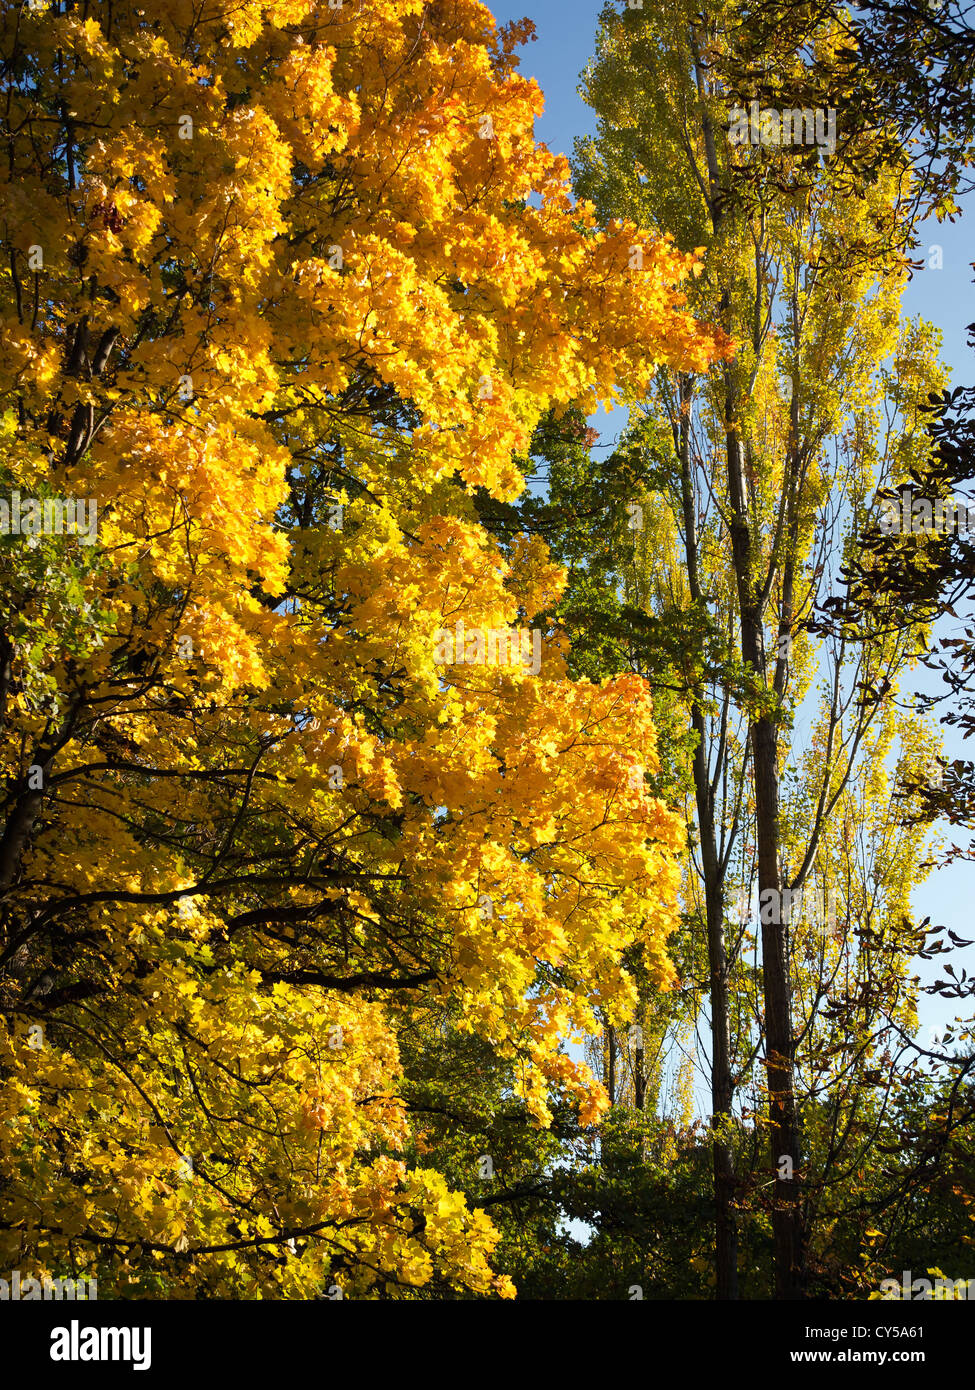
[[722, 1084], [723, 1164], [639, 1088], [776, 988]]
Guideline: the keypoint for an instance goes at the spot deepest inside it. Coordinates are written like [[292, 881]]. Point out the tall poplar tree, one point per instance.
[[770, 472]]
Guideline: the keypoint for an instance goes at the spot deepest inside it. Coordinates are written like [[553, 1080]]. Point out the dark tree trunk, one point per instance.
[[776, 987], [722, 1084]]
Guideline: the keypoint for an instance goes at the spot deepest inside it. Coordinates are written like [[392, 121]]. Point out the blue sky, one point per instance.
[[565, 32]]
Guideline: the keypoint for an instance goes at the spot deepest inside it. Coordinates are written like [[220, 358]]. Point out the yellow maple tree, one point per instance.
[[282, 284]]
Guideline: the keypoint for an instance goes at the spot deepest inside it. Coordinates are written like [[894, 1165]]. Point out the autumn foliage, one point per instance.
[[281, 285]]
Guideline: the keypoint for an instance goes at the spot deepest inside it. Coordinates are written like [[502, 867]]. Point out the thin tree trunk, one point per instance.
[[776, 985], [722, 1088], [722, 1085], [639, 1086]]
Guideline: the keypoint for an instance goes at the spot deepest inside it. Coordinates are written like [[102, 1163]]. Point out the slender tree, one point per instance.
[[772, 462]]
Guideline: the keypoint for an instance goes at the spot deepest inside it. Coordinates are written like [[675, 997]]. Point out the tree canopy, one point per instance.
[[396, 781]]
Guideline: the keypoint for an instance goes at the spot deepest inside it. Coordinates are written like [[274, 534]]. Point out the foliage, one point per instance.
[[283, 284]]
